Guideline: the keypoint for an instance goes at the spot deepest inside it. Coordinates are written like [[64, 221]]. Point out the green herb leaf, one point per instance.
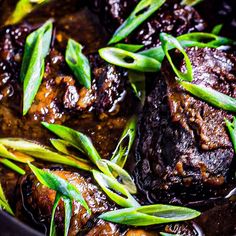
[[126, 141], [114, 190], [76, 139], [142, 11], [138, 83], [78, 63], [129, 60], [167, 234], [150, 215], [60, 145], [23, 8], [190, 2], [13, 156], [60, 185], [113, 170], [211, 96], [68, 214], [32, 69], [232, 131], [195, 39], [12, 166], [167, 40], [52, 224], [4, 203], [216, 30], [41, 152], [129, 47]]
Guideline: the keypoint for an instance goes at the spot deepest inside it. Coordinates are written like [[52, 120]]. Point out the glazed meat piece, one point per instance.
[[184, 152], [37, 201], [171, 18]]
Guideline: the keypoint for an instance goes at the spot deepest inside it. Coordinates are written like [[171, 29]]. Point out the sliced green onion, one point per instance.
[[78, 63], [76, 139], [142, 11], [4, 203], [232, 131], [216, 30], [15, 157], [190, 2], [167, 40], [211, 96], [41, 152], [114, 190], [60, 185], [113, 170], [129, 47], [150, 215], [60, 145], [122, 150], [22, 9], [32, 69], [68, 214], [138, 83], [52, 224], [129, 60], [167, 234], [195, 39], [12, 166]]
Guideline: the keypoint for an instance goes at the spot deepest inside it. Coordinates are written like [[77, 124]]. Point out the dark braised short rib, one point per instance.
[[184, 151], [171, 18], [37, 202]]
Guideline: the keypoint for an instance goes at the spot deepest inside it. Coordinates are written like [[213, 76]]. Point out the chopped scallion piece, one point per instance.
[[68, 214], [12, 166], [129, 60], [168, 40], [150, 215], [114, 190], [142, 11], [190, 2], [78, 63], [3, 202], [129, 47], [216, 30], [232, 131], [60, 185], [32, 70], [211, 96]]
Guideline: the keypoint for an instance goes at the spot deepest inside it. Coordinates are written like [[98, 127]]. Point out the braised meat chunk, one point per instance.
[[183, 145], [38, 200]]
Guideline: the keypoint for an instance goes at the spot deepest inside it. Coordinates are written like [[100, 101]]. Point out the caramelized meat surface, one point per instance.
[[38, 202], [183, 145]]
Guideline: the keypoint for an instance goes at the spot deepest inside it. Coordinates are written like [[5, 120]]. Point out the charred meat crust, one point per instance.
[[171, 18], [37, 202], [183, 145]]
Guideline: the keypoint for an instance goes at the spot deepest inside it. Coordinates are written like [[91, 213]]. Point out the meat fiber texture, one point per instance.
[[184, 151]]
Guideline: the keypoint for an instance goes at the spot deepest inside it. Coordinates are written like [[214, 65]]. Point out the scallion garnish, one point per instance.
[[60, 145], [23, 8], [150, 215], [15, 157], [129, 47], [198, 39], [232, 131], [32, 70], [42, 152], [4, 203], [211, 96], [168, 40], [114, 190], [126, 141], [76, 139], [217, 28], [60, 185], [52, 231], [129, 60], [12, 166], [138, 83], [68, 214], [78, 63], [190, 2], [142, 11]]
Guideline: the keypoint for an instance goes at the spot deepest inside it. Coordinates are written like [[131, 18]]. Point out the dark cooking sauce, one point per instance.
[[73, 19]]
